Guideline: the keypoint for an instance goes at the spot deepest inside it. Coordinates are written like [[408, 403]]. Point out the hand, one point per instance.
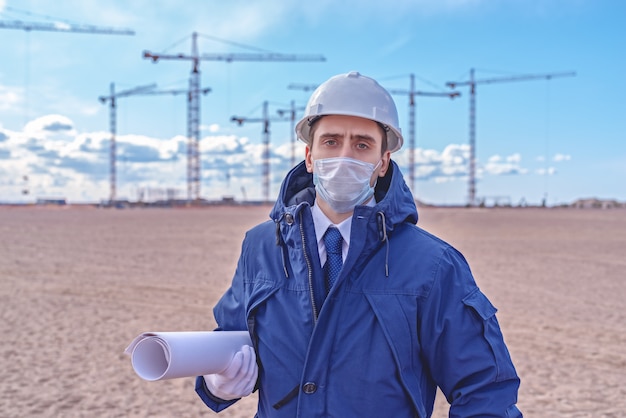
[[238, 379]]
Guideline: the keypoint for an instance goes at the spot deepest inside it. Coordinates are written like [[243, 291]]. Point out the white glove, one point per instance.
[[238, 379]]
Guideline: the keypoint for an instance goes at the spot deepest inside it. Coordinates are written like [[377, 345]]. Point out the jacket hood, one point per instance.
[[393, 197]]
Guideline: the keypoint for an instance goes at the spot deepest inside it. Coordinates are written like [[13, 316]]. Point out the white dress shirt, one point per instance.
[[321, 223]]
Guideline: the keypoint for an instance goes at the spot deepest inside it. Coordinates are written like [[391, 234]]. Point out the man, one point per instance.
[[370, 322]]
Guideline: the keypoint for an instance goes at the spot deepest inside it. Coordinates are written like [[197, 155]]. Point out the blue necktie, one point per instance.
[[333, 242]]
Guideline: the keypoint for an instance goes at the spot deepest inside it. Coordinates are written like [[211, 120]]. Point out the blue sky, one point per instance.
[[561, 139]]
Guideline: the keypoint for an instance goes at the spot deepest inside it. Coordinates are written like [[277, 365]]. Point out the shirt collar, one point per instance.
[[321, 223]]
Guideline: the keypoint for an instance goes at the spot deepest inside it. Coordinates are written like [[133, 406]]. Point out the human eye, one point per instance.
[[329, 142]]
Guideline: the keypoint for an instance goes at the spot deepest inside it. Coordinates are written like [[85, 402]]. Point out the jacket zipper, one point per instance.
[[310, 271]]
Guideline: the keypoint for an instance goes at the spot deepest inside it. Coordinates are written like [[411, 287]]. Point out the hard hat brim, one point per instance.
[[303, 131]]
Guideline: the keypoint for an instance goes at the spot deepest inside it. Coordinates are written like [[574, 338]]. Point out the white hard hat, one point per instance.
[[352, 94]]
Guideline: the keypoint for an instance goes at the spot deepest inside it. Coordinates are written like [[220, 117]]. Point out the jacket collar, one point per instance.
[[393, 196]]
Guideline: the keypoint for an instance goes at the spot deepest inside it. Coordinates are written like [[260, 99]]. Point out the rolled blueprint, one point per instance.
[[170, 355]]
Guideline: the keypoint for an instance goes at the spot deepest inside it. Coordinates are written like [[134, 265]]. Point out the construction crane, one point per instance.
[[412, 93], [472, 115], [302, 86], [265, 159], [193, 177], [112, 99], [62, 27], [292, 118], [59, 26]]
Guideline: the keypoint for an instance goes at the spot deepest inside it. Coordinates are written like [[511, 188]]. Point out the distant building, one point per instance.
[[55, 202], [594, 203]]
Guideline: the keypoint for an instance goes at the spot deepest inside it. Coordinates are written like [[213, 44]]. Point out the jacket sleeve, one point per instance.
[[230, 314], [210, 400], [464, 346], [231, 310]]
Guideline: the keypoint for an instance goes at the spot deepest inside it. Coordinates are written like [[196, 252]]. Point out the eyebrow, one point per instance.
[[358, 137]]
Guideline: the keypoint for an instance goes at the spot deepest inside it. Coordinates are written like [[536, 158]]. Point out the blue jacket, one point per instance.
[[404, 317]]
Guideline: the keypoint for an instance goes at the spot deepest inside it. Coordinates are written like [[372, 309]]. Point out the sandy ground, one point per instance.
[[77, 285]]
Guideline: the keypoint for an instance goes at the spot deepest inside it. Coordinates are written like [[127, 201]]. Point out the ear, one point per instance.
[[308, 160], [384, 165]]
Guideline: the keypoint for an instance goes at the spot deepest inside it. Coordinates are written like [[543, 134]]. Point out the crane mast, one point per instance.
[[112, 98], [412, 105], [265, 159], [472, 82], [193, 151]]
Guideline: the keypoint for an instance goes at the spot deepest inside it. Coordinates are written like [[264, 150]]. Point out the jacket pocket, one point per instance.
[[480, 304], [401, 338]]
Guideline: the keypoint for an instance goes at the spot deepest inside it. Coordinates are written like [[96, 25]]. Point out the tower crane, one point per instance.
[[112, 99], [472, 82], [412, 93], [302, 86], [60, 26], [265, 120], [64, 26], [193, 163]]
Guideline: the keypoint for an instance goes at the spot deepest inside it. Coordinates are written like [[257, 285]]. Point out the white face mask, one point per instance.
[[343, 182]]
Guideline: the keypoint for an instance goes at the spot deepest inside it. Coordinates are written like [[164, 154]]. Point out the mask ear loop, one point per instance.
[[374, 177]]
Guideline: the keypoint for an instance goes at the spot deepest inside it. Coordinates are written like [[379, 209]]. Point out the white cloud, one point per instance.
[[452, 164], [454, 154], [284, 150], [514, 158], [214, 127], [424, 156], [50, 125], [550, 171], [498, 166], [448, 165], [165, 148], [9, 97], [561, 157], [220, 144]]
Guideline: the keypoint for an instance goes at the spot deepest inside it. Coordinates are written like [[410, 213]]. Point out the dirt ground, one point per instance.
[[77, 285]]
